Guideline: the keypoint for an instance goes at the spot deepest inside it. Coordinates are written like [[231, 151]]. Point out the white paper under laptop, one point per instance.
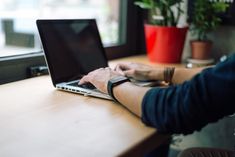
[[72, 49]]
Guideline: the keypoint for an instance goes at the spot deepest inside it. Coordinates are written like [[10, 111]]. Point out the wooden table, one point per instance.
[[36, 120]]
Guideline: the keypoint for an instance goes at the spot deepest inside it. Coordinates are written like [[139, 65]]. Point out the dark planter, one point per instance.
[[165, 44]]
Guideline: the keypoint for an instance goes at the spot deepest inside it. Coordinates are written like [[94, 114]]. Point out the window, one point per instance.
[[20, 46], [19, 33]]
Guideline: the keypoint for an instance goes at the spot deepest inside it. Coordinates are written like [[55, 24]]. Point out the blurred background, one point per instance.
[[18, 33]]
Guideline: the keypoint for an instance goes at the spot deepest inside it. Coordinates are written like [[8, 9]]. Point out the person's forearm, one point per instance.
[[180, 74], [130, 96], [184, 74]]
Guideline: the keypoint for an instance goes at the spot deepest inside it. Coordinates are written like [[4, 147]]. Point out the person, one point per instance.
[[196, 97]]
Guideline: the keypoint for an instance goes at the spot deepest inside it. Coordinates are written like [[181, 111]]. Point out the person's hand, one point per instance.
[[99, 78], [139, 71]]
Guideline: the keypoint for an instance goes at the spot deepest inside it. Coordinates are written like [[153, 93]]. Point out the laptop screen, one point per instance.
[[72, 48]]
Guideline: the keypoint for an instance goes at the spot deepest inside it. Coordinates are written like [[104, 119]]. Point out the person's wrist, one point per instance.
[[115, 81], [157, 74]]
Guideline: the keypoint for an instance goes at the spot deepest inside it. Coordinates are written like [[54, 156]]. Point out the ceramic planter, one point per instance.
[[165, 44], [201, 49]]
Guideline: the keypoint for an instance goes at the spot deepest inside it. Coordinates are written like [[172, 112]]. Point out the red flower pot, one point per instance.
[[164, 44]]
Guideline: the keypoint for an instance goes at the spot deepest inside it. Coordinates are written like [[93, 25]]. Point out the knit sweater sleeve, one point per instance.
[[205, 98]]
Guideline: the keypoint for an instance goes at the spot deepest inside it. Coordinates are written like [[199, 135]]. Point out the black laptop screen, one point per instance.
[[72, 48]]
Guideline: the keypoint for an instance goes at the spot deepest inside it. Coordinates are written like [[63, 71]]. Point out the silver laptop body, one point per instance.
[[72, 48]]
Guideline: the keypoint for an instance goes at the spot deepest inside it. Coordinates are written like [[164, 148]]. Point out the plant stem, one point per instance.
[[178, 13]]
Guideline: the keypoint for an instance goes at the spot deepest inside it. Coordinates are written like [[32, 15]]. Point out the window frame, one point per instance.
[[13, 68]]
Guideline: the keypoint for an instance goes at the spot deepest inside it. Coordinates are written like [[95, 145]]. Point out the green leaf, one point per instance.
[[162, 8], [219, 6], [205, 17], [143, 5]]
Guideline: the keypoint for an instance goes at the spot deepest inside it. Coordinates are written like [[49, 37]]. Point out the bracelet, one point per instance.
[[168, 74]]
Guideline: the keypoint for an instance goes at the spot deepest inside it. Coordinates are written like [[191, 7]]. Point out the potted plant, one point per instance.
[[164, 39], [204, 20]]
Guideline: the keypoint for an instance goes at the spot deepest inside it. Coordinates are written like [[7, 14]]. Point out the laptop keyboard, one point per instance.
[[86, 86], [87, 89]]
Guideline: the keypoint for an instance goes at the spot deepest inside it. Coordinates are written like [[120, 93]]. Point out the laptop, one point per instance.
[[72, 49]]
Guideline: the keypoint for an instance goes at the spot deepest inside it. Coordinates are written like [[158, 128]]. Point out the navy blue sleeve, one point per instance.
[[205, 98]]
